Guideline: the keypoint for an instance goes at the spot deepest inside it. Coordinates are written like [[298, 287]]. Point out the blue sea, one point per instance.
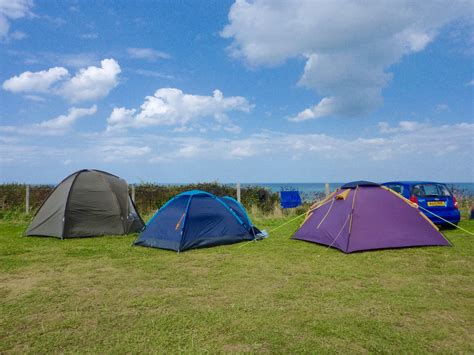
[[309, 191]]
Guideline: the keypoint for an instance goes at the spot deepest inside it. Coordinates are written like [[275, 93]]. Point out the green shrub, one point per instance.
[[148, 196]]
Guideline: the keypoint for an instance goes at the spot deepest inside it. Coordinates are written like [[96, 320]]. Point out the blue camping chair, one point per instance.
[[290, 199]]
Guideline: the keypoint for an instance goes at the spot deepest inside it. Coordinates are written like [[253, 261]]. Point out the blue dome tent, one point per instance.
[[196, 219]]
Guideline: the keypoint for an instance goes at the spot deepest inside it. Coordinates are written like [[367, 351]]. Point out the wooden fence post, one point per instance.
[[328, 189], [133, 193], [27, 199], [238, 191]]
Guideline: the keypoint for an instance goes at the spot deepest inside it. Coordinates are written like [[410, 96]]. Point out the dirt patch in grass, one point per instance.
[[22, 284]]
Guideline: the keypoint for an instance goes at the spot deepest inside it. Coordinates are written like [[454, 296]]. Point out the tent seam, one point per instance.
[[229, 209], [136, 210], [327, 213], [184, 222], [240, 206], [116, 199], [67, 200], [350, 223]]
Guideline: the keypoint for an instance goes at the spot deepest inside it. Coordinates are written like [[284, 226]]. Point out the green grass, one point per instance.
[[278, 295]]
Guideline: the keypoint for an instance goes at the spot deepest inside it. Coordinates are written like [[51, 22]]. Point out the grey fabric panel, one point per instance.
[[49, 219], [92, 208], [135, 223], [119, 188], [132, 222]]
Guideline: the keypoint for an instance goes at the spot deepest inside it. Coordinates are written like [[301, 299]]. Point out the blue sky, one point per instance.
[[259, 91]]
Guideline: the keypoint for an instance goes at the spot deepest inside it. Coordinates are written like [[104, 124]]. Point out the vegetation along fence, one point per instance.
[[148, 197]]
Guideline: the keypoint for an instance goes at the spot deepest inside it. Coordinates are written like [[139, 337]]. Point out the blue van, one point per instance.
[[432, 196]]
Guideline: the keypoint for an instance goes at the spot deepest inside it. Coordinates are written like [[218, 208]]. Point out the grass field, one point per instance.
[[277, 295]]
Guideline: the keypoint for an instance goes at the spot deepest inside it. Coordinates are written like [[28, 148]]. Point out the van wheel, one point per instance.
[[450, 226]]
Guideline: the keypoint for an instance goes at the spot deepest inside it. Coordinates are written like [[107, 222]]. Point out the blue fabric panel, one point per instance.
[[238, 210], [195, 192], [164, 229], [290, 199], [209, 222]]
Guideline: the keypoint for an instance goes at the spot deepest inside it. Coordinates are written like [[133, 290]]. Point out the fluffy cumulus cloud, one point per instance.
[[56, 126], [89, 83], [39, 82], [93, 82], [172, 107], [348, 46], [12, 10]]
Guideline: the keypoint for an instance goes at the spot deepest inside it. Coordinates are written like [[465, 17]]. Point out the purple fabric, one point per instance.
[[379, 220]]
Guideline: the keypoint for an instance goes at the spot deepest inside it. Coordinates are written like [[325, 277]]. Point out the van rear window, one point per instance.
[[431, 190]]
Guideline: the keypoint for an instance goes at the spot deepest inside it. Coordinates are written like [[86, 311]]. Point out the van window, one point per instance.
[[431, 190], [396, 187]]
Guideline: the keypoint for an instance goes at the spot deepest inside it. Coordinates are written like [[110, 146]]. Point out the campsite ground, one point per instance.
[[277, 295]]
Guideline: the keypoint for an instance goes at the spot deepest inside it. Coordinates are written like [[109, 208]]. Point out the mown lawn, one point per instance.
[[278, 295]]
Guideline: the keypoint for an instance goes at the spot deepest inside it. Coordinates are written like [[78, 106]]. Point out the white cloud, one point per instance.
[[324, 108], [121, 117], [39, 82], [376, 156], [74, 60], [149, 54], [89, 36], [441, 107], [347, 52], [35, 98], [13, 10], [470, 83], [153, 74], [172, 107], [403, 140], [64, 122], [18, 35], [120, 152], [30, 154], [403, 126], [56, 126], [92, 83]]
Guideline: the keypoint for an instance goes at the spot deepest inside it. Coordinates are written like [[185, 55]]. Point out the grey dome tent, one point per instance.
[[87, 203]]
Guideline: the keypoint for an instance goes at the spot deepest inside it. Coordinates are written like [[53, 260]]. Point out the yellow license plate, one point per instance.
[[436, 203]]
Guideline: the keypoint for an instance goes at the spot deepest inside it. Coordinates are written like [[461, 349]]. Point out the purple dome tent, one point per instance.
[[366, 216]]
